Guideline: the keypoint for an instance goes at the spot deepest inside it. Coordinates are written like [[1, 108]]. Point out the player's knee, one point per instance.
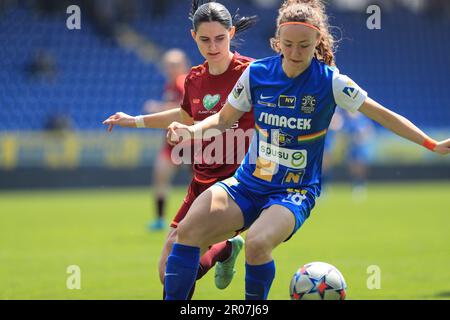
[[257, 248], [189, 233]]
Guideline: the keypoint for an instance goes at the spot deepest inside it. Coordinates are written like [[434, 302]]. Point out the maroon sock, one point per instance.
[[160, 204], [219, 252]]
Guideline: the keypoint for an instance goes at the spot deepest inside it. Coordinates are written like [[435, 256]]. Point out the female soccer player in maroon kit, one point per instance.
[[175, 66], [206, 89]]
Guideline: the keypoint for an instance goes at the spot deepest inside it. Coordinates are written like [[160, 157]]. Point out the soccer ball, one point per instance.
[[318, 281]]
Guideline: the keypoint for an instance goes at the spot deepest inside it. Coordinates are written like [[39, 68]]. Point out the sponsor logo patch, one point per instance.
[[287, 101], [295, 159], [238, 90], [308, 105]]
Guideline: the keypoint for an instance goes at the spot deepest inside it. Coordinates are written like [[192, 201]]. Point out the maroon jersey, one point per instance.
[[205, 94]]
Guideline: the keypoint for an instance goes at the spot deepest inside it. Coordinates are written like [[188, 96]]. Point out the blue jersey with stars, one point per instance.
[[292, 116]]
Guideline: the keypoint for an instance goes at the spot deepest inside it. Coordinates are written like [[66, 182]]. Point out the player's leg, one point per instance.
[[274, 225], [212, 218], [227, 250], [163, 172], [171, 238], [219, 252], [167, 247], [223, 253], [358, 170]]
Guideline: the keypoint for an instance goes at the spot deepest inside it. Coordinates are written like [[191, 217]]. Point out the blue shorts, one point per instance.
[[253, 202]]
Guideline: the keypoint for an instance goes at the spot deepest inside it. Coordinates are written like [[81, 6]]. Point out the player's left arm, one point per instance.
[[402, 126]]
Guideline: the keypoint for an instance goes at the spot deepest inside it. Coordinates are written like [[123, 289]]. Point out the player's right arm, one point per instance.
[[402, 126], [159, 120], [350, 96]]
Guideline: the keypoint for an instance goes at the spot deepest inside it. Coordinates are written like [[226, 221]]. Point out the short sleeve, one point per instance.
[[347, 94], [186, 104], [240, 96]]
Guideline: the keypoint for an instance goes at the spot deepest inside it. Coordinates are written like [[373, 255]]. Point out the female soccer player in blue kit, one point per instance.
[[293, 96]]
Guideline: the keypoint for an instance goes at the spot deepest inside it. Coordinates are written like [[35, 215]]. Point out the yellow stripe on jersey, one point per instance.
[[262, 131]]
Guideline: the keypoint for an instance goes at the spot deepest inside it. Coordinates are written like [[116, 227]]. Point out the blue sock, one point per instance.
[[181, 271], [258, 280]]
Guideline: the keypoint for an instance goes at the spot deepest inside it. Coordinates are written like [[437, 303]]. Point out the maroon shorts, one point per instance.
[[196, 187]]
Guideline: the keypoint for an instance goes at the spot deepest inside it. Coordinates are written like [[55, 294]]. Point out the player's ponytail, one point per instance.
[[311, 12], [243, 23], [209, 11]]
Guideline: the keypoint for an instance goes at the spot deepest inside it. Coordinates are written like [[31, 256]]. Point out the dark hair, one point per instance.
[[211, 11]]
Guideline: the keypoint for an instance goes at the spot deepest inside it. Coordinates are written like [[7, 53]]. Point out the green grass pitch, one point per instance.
[[401, 228]]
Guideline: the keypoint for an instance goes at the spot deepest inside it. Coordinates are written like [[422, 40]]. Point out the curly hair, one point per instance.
[[312, 12]]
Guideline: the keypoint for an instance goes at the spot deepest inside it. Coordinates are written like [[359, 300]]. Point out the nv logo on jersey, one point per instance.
[[287, 101]]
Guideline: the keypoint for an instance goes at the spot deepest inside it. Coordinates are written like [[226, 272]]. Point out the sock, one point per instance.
[[191, 293], [181, 271], [258, 280], [160, 204], [218, 252]]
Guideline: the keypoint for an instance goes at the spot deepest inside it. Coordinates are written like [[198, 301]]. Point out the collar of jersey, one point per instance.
[[230, 66], [302, 75]]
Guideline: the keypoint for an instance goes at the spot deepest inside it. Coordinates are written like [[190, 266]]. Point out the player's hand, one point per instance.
[[177, 132], [443, 147], [120, 119]]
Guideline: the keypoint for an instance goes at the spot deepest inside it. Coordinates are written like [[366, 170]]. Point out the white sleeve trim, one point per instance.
[[240, 97], [347, 94]]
